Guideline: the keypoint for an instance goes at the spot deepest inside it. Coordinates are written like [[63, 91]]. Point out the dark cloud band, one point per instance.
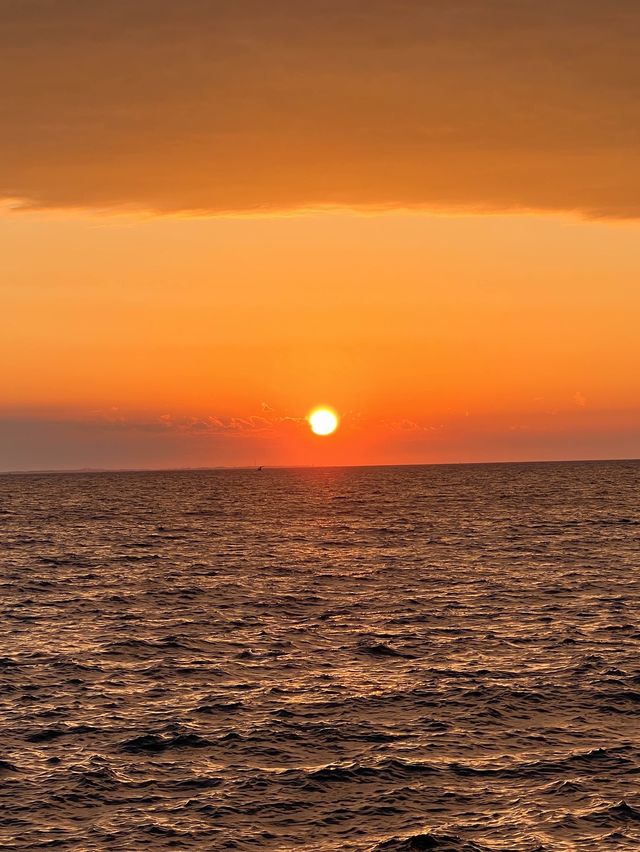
[[245, 105]]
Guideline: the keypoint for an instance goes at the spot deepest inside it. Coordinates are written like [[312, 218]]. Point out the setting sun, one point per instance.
[[317, 315], [323, 421]]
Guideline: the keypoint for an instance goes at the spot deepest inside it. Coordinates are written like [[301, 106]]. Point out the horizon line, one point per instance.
[[256, 468]]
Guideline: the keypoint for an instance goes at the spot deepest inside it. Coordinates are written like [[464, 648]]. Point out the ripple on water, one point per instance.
[[380, 659]]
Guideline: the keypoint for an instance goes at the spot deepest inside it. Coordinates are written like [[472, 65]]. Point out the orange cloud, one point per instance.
[[249, 106]]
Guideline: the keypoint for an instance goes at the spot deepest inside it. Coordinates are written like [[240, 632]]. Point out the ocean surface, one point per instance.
[[405, 658]]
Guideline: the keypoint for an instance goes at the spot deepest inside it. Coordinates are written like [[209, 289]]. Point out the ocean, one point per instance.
[[391, 658]]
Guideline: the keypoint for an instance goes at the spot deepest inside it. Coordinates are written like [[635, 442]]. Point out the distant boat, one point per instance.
[[259, 468]]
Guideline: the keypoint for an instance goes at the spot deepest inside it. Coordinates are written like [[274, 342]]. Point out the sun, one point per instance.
[[323, 421]]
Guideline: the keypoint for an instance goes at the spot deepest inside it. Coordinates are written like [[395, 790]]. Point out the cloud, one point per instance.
[[406, 425], [212, 425], [244, 106], [31, 442]]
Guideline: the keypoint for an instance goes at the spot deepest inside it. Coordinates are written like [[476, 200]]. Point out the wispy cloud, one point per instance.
[[197, 425], [217, 425], [406, 425]]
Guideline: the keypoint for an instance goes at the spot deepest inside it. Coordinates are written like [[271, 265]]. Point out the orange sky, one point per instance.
[[467, 288]]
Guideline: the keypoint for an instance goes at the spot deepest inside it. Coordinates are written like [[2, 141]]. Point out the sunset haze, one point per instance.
[[220, 215]]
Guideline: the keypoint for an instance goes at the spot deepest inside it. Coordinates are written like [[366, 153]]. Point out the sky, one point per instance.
[[217, 215]]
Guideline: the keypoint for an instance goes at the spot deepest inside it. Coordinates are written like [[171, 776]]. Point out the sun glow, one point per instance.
[[323, 421]]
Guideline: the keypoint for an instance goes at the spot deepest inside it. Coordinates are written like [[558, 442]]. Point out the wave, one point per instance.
[[613, 758], [45, 735], [157, 743], [379, 649], [213, 707], [429, 841], [390, 769], [611, 816]]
